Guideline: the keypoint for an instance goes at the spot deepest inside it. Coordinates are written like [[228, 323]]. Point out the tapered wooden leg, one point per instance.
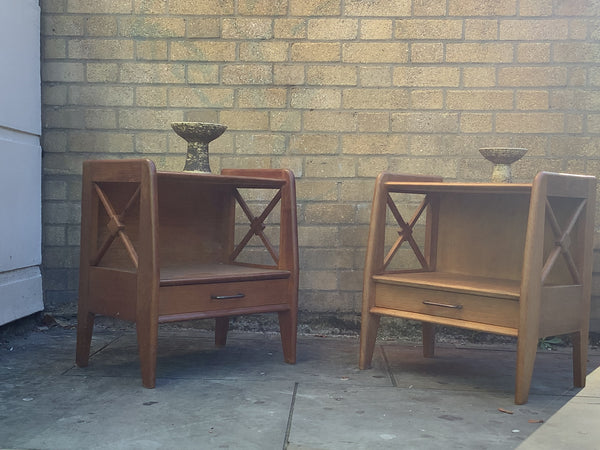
[[580, 349], [428, 339], [368, 336], [85, 326], [288, 324], [147, 336], [526, 351], [221, 329]]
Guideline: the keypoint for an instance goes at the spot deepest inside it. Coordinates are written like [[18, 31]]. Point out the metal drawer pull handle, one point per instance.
[[227, 297], [443, 305]]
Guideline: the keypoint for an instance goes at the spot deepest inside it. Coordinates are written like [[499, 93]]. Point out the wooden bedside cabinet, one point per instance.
[[168, 246], [512, 259]]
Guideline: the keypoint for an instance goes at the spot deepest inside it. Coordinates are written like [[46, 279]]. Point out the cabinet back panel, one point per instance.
[[482, 235]]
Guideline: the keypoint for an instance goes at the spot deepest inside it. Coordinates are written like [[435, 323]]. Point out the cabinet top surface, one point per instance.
[[209, 178], [475, 188]]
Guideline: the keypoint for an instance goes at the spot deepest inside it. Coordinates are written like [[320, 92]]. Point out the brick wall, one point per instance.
[[335, 90]]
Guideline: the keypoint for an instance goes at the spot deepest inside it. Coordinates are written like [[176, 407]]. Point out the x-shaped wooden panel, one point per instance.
[[257, 226], [562, 242], [115, 226], [406, 232]]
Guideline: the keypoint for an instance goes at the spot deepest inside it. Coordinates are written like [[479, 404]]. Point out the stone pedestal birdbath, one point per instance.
[[198, 135], [502, 158]]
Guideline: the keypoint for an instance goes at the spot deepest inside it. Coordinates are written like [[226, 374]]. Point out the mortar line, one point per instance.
[[387, 367], [288, 428]]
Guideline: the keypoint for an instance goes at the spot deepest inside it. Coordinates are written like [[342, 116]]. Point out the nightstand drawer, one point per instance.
[[207, 298], [462, 306]]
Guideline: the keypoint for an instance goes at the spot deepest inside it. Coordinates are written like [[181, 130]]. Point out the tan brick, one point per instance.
[[100, 141], [425, 122], [290, 28], [260, 97], [477, 99], [54, 49], [532, 76], [372, 166], [148, 119], [476, 122], [429, 8], [316, 236], [315, 51], [202, 51], [375, 144], [331, 75], [577, 76], [446, 144], [101, 95], [390, 8], [295, 164], [53, 6], [247, 74], [352, 280], [314, 144], [329, 213], [479, 52], [150, 6], [533, 30], [481, 29], [151, 50], [375, 76], [155, 73], [438, 29], [201, 7], [54, 95], [102, 72], [529, 123], [100, 49], [376, 99], [578, 29], [376, 29], [319, 280], [262, 7], [314, 7], [285, 120], [535, 7], [151, 27], [259, 144], [54, 141], [423, 52], [59, 25], [203, 73], [373, 121], [595, 76], [430, 76], [479, 77], [264, 51], [62, 72], [444, 167], [479, 8], [328, 167], [318, 190], [316, 98], [538, 52], [247, 28], [288, 74], [98, 7], [532, 100], [104, 26], [576, 52], [332, 29], [205, 97], [245, 120], [354, 235], [578, 8], [200, 27], [574, 123], [575, 99], [327, 258], [149, 142], [427, 99], [335, 121], [375, 52]]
